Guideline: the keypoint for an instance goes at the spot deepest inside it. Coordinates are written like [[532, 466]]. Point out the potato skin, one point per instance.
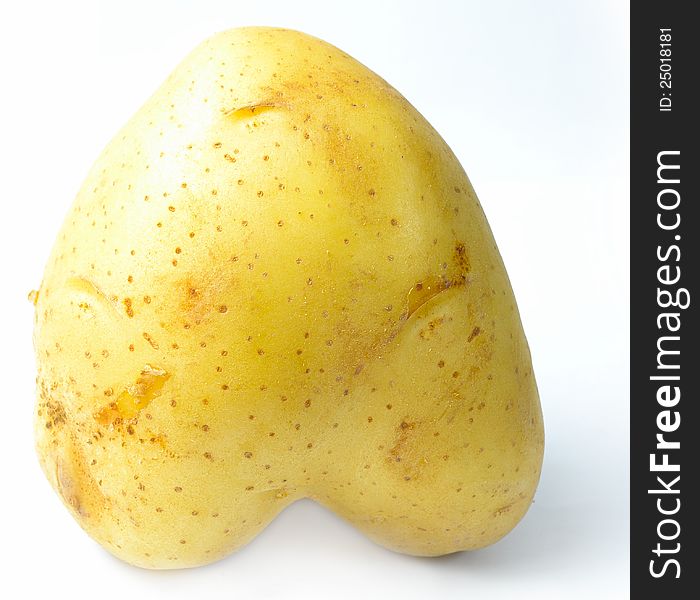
[[277, 282]]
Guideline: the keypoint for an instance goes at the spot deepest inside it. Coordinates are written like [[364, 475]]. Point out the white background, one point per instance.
[[533, 98]]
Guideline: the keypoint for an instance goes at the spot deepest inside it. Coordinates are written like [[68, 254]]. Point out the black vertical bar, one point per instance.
[[665, 355]]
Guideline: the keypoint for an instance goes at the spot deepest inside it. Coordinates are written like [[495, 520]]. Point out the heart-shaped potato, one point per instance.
[[276, 283]]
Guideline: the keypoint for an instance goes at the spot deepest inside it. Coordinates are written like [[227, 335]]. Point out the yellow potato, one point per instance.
[[276, 283]]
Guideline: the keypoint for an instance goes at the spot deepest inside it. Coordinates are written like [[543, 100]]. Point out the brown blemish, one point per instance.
[[503, 509], [476, 331], [404, 454], [200, 298], [461, 260], [55, 413], [403, 431], [128, 307], [150, 340]]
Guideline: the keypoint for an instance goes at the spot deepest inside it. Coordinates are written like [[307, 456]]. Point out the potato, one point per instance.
[[277, 283]]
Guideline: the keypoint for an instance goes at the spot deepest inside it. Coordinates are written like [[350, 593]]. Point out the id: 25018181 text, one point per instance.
[[665, 70]]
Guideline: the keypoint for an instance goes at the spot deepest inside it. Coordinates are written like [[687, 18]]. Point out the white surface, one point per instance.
[[533, 98]]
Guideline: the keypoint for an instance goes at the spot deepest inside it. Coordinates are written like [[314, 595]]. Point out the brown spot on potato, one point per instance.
[[55, 412], [128, 307], [461, 259], [503, 509], [150, 340]]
